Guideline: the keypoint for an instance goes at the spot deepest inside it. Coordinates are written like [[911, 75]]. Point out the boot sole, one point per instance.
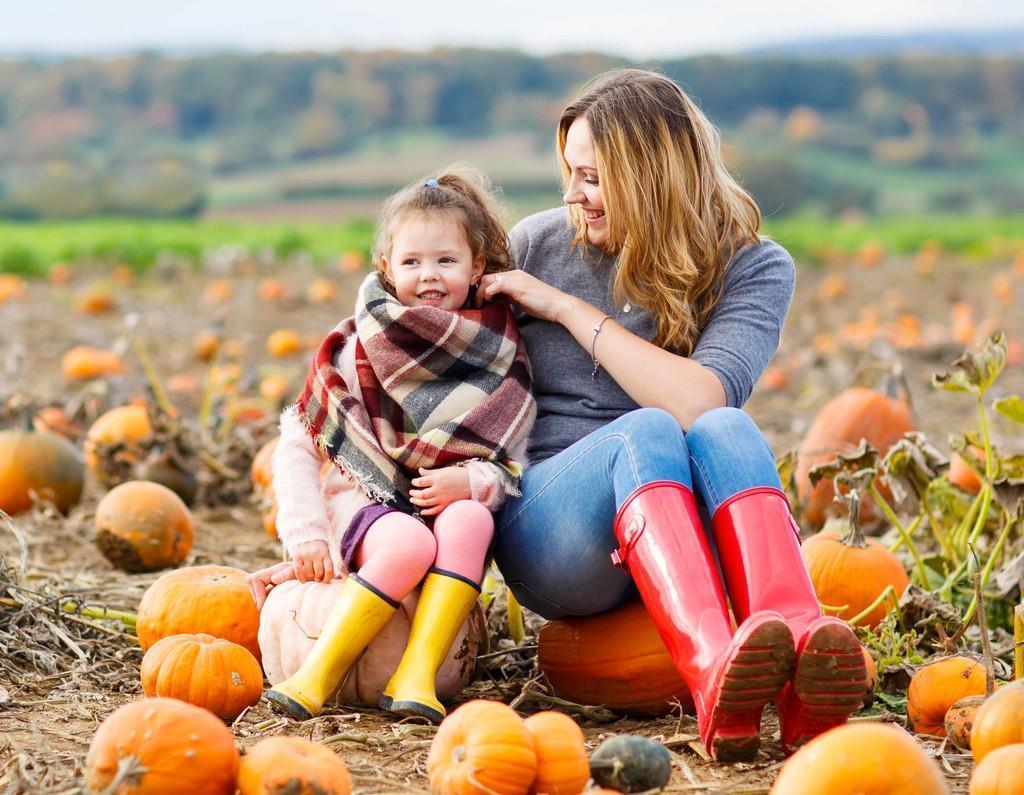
[[758, 666], [829, 683], [410, 709], [288, 705]]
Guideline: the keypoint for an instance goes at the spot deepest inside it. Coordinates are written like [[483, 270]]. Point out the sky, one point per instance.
[[635, 28]]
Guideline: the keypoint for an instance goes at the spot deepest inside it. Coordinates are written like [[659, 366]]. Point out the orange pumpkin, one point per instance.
[[861, 757], [854, 414], [482, 747], [960, 720], [218, 291], [173, 747], [960, 474], [83, 362], [59, 274], [562, 764], [936, 686], [56, 420], [999, 721], [871, 676], [851, 572], [44, 464], [292, 766], [210, 672], [614, 658], [351, 261], [205, 344], [322, 291], [275, 389], [214, 600], [284, 342], [95, 300], [143, 526], [263, 485], [128, 426], [272, 290], [12, 288], [1001, 773]]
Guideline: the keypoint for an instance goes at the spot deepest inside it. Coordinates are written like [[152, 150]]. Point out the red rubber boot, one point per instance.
[[759, 546], [731, 677]]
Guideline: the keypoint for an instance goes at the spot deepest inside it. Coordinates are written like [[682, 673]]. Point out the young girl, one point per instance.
[[422, 402]]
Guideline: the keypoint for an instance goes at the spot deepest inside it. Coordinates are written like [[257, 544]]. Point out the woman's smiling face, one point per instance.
[[584, 188]]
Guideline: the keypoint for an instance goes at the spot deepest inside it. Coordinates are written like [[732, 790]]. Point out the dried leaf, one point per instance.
[[786, 467], [1010, 494], [910, 465], [976, 371], [1012, 407], [1009, 580], [923, 610]]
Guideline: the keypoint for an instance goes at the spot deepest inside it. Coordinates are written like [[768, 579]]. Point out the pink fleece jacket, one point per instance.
[[316, 500]]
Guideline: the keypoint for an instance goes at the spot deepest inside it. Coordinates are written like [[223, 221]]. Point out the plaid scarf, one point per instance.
[[438, 387]]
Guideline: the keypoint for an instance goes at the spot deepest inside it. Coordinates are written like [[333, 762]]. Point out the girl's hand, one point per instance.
[[313, 562], [527, 292], [436, 489], [261, 582]]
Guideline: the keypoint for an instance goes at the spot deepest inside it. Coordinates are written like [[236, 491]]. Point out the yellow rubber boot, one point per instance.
[[445, 602], [358, 615]]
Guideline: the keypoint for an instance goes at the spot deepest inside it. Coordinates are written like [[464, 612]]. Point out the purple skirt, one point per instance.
[[358, 527]]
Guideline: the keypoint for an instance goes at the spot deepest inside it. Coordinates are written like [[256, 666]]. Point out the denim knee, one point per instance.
[[651, 424], [721, 423]]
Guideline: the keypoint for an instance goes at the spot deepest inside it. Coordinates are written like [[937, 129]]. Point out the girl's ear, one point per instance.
[[479, 263], [385, 269]]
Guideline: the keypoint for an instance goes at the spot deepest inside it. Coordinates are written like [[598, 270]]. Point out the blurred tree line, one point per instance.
[[144, 134]]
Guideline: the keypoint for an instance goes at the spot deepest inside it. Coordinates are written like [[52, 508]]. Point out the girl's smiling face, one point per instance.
[[431, 263], [584, 187]]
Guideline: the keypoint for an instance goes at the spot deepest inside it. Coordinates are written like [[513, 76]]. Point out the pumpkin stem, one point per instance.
[[854, 536], [986, 645], [129, 772]]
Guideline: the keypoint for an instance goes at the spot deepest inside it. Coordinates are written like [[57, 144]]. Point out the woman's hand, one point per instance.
[[436, 489], [313, 562], [261, 582], [527, 292]]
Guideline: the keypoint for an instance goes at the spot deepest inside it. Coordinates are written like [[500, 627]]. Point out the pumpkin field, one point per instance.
[[138, 407]]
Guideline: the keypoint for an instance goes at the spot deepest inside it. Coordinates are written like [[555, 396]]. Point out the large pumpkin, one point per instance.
[[292, 766], [210, 672], [174, 747], [851, 571], [295, 612], [861, 757], [615, 658], [937, 686], [143, 526], [126, 425], [482, 747], [43, 464], [999, 721], [1002, 772], [854, 414], [214, 600]]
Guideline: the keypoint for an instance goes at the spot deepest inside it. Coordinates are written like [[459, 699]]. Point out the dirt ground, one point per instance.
[[61, 676]]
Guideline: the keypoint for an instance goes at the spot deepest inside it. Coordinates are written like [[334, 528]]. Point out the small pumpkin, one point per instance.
[[218, 291], [960, 720], [210, 672], [482, 747], [294, 613], [322, 291], [292, 766], [351, 261], [871, 676], [56, 420], [214, 600], [84, 362], [999, 721], [263, 485], [172, 746], [851, 572], [205, 344], [143, 526], [855, 414], [275, 389], [614, 658], [562, 766], [12, 288], [126, 426], [284, 342], [630, 763], [936, 686], [272, 290], [1001, 772], [40, 463], [861, 757], [60, 274], [95, 300], [962, 475]]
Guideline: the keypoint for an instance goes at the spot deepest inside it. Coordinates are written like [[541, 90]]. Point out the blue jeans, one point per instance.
[[553, 544]]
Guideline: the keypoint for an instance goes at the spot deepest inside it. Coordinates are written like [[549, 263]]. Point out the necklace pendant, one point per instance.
[[628, 306]]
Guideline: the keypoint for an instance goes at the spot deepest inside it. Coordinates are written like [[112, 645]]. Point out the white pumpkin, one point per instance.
[[294, 613]]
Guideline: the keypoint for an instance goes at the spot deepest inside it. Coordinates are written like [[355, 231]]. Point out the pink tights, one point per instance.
[[397, 550]]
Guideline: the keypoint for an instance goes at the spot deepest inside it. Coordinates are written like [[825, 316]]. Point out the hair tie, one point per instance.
[[431, 183]]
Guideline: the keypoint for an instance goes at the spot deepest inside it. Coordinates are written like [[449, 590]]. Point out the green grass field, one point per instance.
[[31, 248]]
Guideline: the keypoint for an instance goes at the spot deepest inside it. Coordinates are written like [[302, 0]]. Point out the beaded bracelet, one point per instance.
[[593, 345]]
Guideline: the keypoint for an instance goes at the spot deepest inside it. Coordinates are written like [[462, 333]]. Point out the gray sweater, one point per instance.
[[736, 344]]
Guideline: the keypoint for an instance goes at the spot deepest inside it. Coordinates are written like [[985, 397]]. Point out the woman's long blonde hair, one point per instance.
[[675, 215]]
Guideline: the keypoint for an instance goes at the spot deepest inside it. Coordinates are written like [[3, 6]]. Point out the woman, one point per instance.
[[650, 308]]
